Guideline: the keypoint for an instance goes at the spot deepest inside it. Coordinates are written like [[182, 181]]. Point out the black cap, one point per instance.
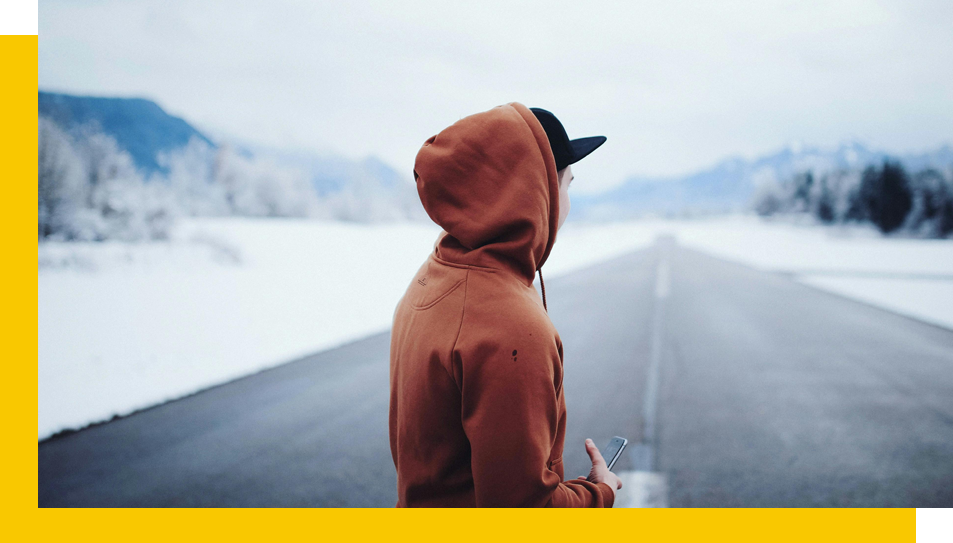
[[565, 150]]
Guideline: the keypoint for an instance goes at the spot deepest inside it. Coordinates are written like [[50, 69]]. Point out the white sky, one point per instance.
[[675, 86]]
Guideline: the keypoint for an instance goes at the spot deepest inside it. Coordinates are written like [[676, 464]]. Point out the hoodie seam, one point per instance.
[[463, 313], [463, 266]]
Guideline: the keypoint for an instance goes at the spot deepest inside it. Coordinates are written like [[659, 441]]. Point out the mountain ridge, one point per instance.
[[145, 130], [730, 183], [139, 125]]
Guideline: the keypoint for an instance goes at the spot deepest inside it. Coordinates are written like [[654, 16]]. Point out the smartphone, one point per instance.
[[613, 451]]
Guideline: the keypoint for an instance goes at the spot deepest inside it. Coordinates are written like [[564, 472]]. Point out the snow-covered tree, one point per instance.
[[932, 210], [920, 204], [59, 181], [89, 189], [260, 187], [769, 198], [190, 179]]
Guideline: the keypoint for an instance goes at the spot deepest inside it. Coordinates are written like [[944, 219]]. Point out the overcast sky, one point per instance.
[[674, 86]]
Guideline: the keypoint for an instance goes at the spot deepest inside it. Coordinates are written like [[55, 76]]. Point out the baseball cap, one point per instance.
[[565, 150]]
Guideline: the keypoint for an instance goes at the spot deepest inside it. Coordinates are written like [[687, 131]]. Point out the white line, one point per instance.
[[650, 401], [643, 487], [643, 452]]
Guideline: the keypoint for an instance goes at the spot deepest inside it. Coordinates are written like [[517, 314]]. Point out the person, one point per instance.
[[477, 412]]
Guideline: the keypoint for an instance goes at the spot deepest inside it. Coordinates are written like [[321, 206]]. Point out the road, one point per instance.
[[735, 387]]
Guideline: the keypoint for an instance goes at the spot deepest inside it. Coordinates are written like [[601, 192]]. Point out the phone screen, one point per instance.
[[613, 450]]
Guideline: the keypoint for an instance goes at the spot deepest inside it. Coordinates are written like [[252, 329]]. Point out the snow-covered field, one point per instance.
[[125, 326]]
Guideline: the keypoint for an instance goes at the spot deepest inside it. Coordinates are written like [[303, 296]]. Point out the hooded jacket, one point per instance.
[[477, 412]]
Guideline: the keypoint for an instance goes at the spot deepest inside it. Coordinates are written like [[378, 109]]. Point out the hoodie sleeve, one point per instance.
[[510, 409]]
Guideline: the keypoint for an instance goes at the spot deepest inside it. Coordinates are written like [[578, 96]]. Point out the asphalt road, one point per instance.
[[737, 387]]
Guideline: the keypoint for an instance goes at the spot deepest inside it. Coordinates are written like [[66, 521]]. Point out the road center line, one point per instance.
[[643, 487], [650, 398]]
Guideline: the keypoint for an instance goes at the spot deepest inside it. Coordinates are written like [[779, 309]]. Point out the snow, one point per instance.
[[928, 300], [228, 298], [123, 326], [802, 249], [913, 277]]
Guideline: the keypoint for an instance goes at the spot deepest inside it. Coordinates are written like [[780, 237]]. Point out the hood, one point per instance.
[[489, 180]]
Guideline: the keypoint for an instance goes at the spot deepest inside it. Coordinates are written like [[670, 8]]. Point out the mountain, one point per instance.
[[138, 125], [730, 184]]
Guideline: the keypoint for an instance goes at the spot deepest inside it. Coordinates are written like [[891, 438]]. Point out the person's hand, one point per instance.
[[599, 472]]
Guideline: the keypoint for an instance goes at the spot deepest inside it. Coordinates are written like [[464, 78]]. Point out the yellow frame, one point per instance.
[[19, 153]]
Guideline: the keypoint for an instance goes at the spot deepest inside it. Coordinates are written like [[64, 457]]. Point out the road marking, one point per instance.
[[645, 449], [643, 487]]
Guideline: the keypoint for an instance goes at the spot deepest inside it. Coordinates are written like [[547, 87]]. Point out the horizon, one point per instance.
[[674, 87], [581, 188]]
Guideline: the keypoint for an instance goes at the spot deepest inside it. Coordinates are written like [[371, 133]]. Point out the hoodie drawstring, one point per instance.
[[542, 286]]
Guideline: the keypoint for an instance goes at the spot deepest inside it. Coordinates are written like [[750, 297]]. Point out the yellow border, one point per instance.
[[19, 153], [18, 166]]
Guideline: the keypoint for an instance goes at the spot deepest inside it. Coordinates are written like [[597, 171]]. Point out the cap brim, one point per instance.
[[583, 146]]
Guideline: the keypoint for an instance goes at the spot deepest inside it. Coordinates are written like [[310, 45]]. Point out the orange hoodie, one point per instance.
[[477, 413]]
